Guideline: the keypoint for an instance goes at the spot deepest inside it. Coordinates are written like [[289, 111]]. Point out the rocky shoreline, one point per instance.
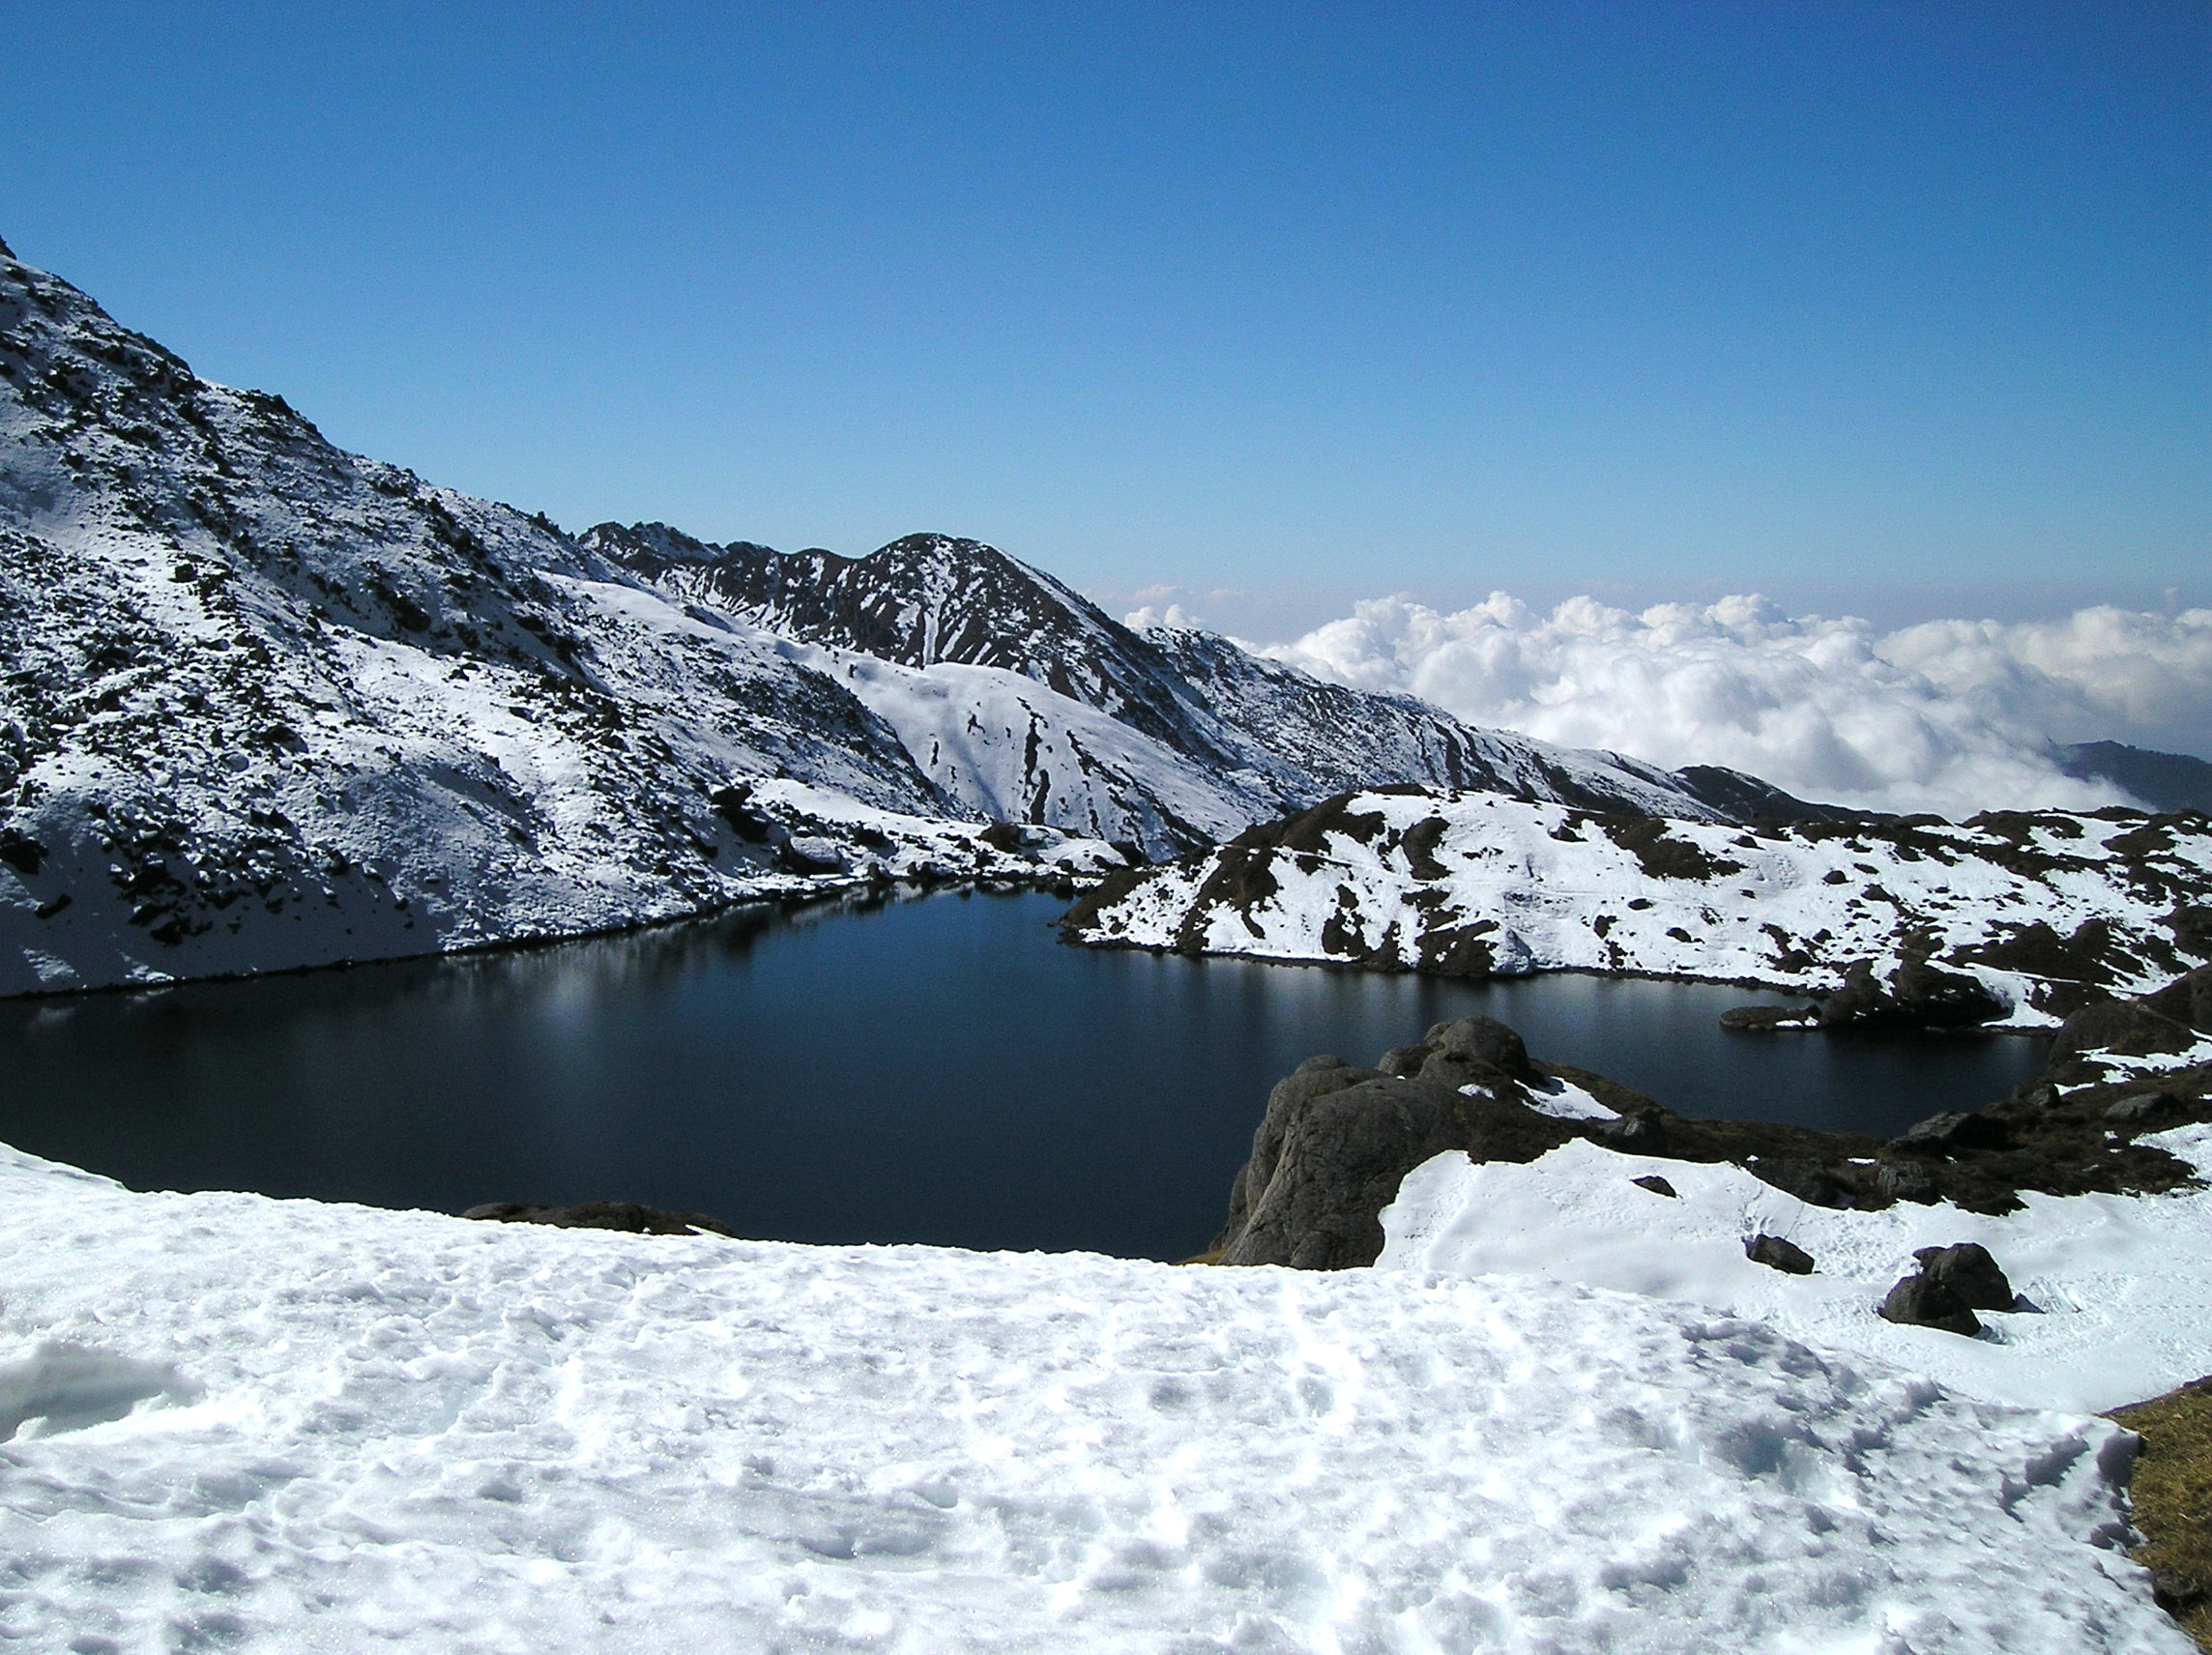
[[1337, 1140], [2014, 919]]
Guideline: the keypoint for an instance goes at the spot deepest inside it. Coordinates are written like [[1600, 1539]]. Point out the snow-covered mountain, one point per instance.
[[1025, 701], [267, 703], [2014, 916]]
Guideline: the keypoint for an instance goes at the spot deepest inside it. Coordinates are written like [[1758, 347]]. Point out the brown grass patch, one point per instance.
[[2172, 1495]]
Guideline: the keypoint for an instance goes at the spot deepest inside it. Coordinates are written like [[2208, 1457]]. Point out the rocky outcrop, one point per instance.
[[1919, 1301], [623, 1215], [1914, 996], [2016, 919], [1778, 1253], [1967, 1271], [1336, 1141], [1328, 1157], [1951, 1283], [2103, 1036]]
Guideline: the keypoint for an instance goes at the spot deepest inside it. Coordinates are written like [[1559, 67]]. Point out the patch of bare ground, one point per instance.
[[2172, 1495]]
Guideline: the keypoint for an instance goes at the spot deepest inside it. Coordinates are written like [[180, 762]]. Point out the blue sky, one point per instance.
[[1897, 310]]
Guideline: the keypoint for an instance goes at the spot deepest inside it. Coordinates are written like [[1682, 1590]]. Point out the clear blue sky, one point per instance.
[[1905, 309]]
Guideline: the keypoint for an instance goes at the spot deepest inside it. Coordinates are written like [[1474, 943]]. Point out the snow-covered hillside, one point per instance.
[[2118, 1306], [266, 703], [2041, 909], [1171, 739], [249, 1424]]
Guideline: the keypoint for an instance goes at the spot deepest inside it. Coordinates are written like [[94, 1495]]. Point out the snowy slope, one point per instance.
[[2122, 1305], [1215, 737], [998, 744], [266, 703], [2035, 906], [262, 1425], [928, 598]]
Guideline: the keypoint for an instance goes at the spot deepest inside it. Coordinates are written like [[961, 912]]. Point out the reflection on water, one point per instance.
[[876, 1070]]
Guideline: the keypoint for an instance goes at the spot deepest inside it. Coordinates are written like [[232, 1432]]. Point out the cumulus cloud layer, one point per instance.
[[1951, 717]]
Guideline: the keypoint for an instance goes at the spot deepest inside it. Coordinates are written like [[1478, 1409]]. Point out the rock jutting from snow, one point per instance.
[[1967, 1271], [2012, 920], [1778, 1253], [1336, 1141], [627, 1216], [1921, 1300]]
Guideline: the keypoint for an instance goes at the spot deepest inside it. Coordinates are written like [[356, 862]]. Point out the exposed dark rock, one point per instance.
[[1462, 951], [1904, 1180], [1657, 1185], [2160, 1024], [1404, 1061], [1419, 843], [1809, 1180], [1760, 1019], [20, 852], [1487, 1040], [2187, 999], [1336, 1141], [1341, 1153], [1921, 1302], [1916, 996], [1661, 854], [817, 856], [2145, 1109], [1969, 1273], [2074, 968], [1778, 1254], [623, 1215], [1639, 1132]]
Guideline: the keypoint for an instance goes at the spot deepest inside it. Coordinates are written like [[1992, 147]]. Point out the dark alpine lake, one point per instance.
[[935, 1069]]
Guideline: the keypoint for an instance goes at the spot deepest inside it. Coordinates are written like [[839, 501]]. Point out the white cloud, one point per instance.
[[1174, 614], [1952, 715]]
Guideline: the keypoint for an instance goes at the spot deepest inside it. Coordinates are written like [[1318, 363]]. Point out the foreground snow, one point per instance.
[[285, 1425], [2121, 1305]]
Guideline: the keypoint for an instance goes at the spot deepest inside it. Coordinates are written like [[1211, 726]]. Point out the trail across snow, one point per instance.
[[283, 1425]]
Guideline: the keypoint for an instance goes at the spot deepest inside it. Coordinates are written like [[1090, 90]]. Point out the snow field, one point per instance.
[[2122, 1304], [279, 1424]]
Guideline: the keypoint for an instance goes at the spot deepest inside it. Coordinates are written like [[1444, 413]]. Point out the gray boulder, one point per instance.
[[1920, 1300], [1778, 1254], [1968, 1271], [1329, 1156]]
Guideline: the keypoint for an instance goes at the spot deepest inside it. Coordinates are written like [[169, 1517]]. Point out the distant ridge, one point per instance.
[[2163, 781]]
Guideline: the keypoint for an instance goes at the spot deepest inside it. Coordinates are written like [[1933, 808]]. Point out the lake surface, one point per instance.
[[937, 1069]]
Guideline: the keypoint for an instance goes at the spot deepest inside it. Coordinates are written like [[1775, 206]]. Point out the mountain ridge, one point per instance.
[[267, 703]]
